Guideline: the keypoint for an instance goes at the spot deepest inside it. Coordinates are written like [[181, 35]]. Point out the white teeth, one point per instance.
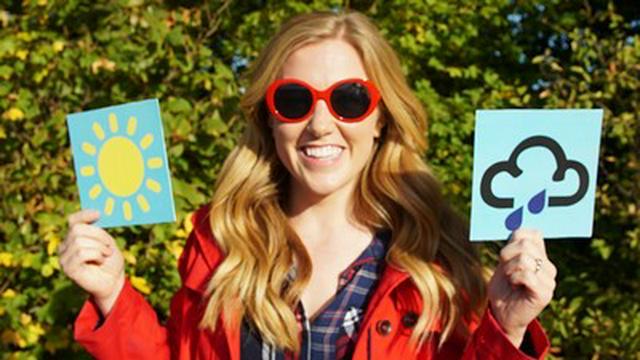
[[322, 151]]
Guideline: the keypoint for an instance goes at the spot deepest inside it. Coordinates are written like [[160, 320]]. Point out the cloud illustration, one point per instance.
[[510, 166]]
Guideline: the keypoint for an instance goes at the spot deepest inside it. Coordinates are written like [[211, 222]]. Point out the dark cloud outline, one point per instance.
[[511, 167]]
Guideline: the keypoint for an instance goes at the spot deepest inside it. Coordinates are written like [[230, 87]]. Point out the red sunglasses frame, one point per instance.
[[321, 95]]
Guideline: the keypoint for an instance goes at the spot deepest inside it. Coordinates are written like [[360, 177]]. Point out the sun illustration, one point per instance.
[[119, 169]]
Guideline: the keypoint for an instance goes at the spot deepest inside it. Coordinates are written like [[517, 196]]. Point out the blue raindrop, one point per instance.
[[536, 204], [514, 220]]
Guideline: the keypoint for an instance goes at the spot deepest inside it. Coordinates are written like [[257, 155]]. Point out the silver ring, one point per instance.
[[538, 265]]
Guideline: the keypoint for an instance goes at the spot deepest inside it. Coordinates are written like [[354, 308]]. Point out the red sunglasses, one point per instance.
[[349, 100]]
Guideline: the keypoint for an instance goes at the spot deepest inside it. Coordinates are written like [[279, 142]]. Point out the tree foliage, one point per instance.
[[59, 57]]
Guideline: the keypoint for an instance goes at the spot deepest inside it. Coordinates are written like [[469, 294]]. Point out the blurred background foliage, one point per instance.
[[59, 57]]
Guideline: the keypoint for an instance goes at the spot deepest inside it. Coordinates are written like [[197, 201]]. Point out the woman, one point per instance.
[[327, 236]]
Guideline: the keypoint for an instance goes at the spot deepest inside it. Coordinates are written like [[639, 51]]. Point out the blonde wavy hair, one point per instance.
[[396, 191]]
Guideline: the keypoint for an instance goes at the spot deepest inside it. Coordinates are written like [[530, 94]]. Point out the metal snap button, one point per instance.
[[383, 327], [410, 319]]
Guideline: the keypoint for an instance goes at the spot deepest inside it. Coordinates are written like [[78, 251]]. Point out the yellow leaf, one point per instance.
[[188, 224], [42, 2], [40, 75], [20, 341], [34, 331], [52, 246], [25, 319], [47, 270], [9, 294], [22, 54], [556, 67], [58, 46], [102, 63], [3, 134], [140, 284], [54, 262], [6, 259], [2, 311], [175, 247], [25, 36], [4, 18], [13, 114], [27, 261], [129, 257]]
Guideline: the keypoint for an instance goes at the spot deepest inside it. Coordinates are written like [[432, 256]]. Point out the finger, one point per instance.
[[83, 257], [526, 279], [534, 236], [91, 231], [519, 262], [86, 230], [526, 262], [86, 255], [524, 241], [85, 243], [85, 216], [91, 243], [539, 286]]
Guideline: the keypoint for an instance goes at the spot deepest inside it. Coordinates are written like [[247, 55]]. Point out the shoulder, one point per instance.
[[201, 254]]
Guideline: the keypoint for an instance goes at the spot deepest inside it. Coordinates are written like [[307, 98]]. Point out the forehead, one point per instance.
[[323, 63]]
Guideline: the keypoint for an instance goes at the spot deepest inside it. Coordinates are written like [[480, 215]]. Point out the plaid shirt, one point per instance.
[[333, 333]]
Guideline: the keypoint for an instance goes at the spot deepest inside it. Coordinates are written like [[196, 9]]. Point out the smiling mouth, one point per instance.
[[322, 152]]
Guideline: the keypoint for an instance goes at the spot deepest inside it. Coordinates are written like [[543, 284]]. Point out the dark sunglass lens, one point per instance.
[[350, 100], [292, 100]]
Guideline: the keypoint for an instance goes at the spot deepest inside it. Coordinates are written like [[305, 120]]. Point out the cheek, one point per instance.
[[285, 140], [362, 137]]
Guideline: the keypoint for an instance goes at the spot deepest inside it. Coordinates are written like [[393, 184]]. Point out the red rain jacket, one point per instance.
[[132, 330]]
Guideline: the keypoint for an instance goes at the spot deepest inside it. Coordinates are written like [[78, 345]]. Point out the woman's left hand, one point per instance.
[[522, 284]]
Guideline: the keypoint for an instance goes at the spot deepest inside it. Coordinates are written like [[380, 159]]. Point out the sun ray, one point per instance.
[[131, 125], [142, 202], [153, 185], [154, 162], [108, 206], [87, 170], [146, 141], [126, 209], [88, 148], [113, 123], [97, 129], [95, 191]]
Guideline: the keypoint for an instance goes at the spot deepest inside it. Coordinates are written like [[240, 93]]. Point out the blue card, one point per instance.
[[121, 164], [534, 169]]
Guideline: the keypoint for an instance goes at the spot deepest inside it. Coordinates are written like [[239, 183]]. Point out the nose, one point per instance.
[[321, 122]]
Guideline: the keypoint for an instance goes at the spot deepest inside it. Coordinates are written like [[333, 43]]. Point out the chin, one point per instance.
[[326, 187]]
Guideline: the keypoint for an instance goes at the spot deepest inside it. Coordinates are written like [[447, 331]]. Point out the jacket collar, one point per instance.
[[202, 257], [207, 255]]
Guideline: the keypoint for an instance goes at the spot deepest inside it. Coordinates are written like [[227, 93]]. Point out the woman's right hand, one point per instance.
[[90, 257]]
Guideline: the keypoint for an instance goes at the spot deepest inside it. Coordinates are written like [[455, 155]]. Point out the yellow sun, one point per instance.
[[120, 165]]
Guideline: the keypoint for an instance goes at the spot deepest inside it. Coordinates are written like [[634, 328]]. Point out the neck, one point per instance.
[[322, 218]]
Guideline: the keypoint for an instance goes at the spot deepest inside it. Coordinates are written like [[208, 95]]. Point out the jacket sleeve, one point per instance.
[[489, 341], [130, 331]]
